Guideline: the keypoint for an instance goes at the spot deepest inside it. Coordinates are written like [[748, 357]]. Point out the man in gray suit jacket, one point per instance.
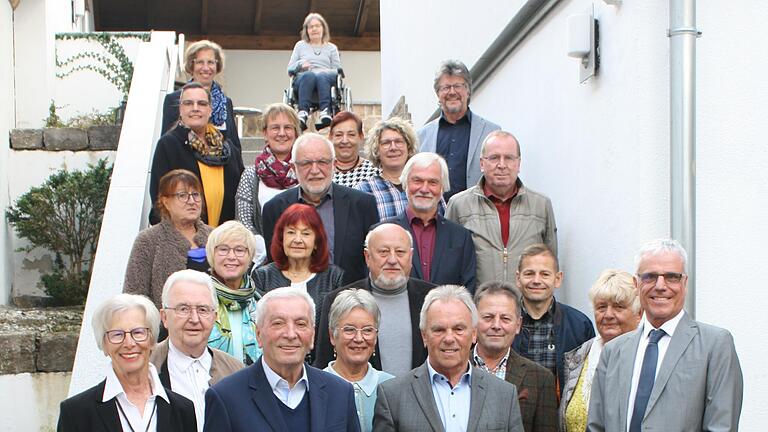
[[457, 134], [447, 393], [698, 385]]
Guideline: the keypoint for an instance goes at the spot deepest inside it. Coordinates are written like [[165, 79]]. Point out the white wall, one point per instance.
[[257, 78], [601, 150], [25, 170], [30, 402], [35, 22], [7, 121], [417, 35]]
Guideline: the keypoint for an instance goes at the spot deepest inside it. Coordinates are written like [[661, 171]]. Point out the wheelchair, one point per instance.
[[341, 96]]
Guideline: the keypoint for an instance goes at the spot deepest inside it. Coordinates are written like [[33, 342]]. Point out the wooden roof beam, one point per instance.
[[257, 6], [204, 16], [277, 42], [362, 17]]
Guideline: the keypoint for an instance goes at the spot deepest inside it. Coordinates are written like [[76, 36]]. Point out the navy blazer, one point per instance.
[[171, 117], [86, 412], [354, 212], [453, 261], [244, 401]]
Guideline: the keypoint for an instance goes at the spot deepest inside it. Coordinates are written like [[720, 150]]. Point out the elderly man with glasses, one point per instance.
[[184, 361], [457, 134]]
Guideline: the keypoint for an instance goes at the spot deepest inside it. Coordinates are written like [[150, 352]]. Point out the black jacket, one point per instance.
[[173, 152], [86, 412], [354, 213], [171, 117], [417, 290]]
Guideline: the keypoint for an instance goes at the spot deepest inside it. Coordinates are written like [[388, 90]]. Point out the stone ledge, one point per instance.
[[70, 139], [27, 139]]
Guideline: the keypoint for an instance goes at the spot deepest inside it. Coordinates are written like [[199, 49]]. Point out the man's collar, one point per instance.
[[481, 361], [433, 374], [550, 310], [274, 379], [411, 216], [182, 361], [466, 117], [492, 196], [327, 195], [669, 326]]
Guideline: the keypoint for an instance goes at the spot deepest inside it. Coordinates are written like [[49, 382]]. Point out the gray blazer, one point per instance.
[[698, 387], [406, 404], [479, 129]]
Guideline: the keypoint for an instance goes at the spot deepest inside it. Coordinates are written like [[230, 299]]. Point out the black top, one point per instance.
[[173, 152], [453, 145]]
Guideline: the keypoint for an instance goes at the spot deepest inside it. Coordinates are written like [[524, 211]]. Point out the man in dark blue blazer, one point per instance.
[[279, 392], [347, 214], [443, 251]]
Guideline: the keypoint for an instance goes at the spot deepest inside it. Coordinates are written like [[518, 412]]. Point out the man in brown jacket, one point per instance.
[[498, 307], [184, 361]]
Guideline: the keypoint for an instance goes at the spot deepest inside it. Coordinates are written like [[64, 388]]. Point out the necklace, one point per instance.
[[317, 51], [346, 170], [127, 420]]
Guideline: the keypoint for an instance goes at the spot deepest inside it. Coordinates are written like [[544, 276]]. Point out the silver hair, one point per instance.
[[230, 231], [453, 68], [423, 160], [446, 293], [615, 286], [283, 293], [191, 276], [497, 134], [105, 313], [497, 288], [399, 125], [348, 300], [660, 246], [380, 227], [307, 137]]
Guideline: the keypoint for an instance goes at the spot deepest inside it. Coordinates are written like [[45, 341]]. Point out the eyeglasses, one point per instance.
[[185, 196], [455, 87], [321, 163], [396, 142], [205, 62], [669, 277], [139, 334], [368, 332], [185, 310], [223, 251], [496, 159], [191, 103]]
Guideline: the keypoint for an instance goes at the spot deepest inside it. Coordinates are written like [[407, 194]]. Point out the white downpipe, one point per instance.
[[682, 62]]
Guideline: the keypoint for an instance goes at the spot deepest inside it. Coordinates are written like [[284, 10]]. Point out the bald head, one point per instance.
[[388, 253]]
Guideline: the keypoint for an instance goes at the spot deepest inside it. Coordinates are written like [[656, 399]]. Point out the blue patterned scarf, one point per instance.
[[219, 114]]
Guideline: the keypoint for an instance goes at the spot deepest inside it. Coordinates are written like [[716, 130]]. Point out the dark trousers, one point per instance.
[[309, 82]]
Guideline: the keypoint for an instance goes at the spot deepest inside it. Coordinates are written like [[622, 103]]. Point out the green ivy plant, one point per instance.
[[115, 66], [64, 216]]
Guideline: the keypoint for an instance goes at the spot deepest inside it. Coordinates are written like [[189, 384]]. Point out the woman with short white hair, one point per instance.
[[131, 398]]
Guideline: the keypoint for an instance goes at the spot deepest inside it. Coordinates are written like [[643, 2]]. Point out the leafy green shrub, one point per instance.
[[64, 216]]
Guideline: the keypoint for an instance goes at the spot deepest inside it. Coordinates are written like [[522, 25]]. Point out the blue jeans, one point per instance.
[[308, 82]]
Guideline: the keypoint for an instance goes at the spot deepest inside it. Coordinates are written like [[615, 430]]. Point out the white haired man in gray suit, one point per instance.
[[672, 373], [447, 393]]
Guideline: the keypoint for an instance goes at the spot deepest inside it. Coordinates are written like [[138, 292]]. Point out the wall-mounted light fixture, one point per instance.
[[583, 43]]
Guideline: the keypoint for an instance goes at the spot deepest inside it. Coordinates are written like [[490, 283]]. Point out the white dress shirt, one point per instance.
[[133, 419], [291, 397], [452, 402], [646, 327], [190, 377]]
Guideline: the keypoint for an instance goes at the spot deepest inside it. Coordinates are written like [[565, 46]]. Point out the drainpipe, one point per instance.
[[682, 62]]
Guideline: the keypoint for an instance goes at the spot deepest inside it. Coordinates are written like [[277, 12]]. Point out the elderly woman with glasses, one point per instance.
[[131, 398], [176, 243], [196, 145], [390, 144], [203, 60], [617, 311], [353, 325], [230, 250]]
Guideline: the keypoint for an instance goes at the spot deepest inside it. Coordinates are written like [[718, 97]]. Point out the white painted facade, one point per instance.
[[7, 122], [601, 150], [30, 402]]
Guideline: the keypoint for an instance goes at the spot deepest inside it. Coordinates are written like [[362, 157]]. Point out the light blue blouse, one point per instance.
[[365, 393]]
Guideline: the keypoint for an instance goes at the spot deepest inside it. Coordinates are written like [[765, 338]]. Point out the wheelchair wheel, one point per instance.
[[347, 99]]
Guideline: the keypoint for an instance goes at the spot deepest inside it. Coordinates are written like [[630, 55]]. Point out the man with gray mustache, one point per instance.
[[388, 253], [444, 251]]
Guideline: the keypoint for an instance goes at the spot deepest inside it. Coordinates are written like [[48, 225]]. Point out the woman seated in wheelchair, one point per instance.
[[315, 62]]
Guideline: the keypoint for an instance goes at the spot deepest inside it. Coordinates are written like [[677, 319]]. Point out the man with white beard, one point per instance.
[[388, 252], [444, 251]]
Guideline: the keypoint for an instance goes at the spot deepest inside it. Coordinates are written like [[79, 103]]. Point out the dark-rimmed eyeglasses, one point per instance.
[[455, 87], [191, 103], [139, 334], [321, 163], [185, 196]]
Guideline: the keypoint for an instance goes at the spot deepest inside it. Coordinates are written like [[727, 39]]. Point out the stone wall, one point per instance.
[[72, 139]]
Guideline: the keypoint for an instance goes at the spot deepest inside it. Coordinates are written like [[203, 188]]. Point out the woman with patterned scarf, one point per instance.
[[198, 146], [230, 250], [272, 173], [203, 60]]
